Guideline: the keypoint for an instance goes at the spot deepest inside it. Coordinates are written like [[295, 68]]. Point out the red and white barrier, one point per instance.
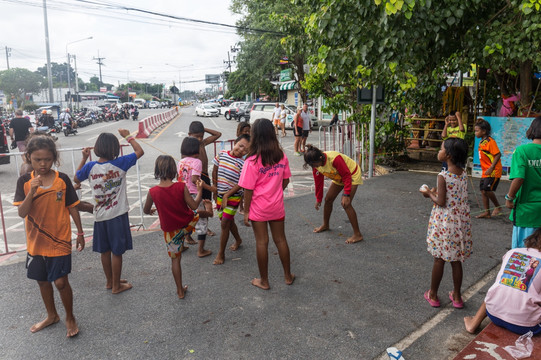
[[151, 123]]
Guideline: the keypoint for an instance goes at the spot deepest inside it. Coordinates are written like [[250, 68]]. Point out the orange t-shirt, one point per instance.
[[488, 149], [48, 225]]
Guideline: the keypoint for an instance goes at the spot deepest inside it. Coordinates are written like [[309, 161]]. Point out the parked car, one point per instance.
[[216, 106], [265, 111], [242, 113], [139, 102], [230, 111], [154, 105], [206, 110]]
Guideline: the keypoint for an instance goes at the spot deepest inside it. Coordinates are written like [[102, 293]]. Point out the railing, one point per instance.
[[343, 138], [425, 133]]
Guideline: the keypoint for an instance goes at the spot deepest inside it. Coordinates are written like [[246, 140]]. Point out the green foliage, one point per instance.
[[29, 107], [58, 73], [19, 82]]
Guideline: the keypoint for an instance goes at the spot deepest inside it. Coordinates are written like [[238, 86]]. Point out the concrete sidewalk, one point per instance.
[[348, 301]]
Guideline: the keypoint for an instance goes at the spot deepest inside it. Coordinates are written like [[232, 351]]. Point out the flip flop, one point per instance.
[[433, 303], [394, 353], [456, 305]]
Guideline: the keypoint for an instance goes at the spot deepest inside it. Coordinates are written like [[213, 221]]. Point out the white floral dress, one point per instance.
[[449, 228]]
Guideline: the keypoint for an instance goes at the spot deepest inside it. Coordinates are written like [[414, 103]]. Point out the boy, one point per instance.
[[197, 130], [453, 126], [489, 155], [225, 176]]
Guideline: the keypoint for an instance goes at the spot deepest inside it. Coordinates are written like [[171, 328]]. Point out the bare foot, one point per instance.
[[183, 248], [290, 279], [190, 241], [353, 239], [497, 211], [469, 324], [44, 323], [181, 293], [235, 246], [485, 215], [109, 286], [210, 233], [123, 287], [322, 228], [259, 284], [204, 253], [219, 260], [71, 326]]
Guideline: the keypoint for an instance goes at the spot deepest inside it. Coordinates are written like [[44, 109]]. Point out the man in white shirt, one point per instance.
[[306, 126], [276, 117]]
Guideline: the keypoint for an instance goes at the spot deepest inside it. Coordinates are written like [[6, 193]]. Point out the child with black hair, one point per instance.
[[524, 195], [189, 172], [489, 155], [345, 174], [449, 230], [197, 130], [107, 177], [226, 173], [243, 128], [175, 208]]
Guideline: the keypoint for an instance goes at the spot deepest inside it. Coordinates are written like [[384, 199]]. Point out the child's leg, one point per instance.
[[177, 275], [236, 235], [352, 216], [224, 237], [66, 294], [331, 195], [118, 285], [205, 211], [261, 245], [486, 205], [46, 290], [437, 274], [107, 268], [279, 237], [473, 322], [188, 239], [492, 197], [456, 266]]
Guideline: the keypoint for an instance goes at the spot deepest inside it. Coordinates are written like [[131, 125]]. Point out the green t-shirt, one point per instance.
[[455, 132], [526, 164]]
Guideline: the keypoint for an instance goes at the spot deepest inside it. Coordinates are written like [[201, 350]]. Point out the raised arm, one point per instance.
[[459, 119], [137, 149], [214, 135]]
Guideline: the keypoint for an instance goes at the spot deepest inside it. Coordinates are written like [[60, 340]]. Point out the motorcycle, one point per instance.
[[68, 129], [135, 115]]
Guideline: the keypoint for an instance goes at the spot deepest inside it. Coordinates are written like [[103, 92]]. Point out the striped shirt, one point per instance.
[[229, 169]]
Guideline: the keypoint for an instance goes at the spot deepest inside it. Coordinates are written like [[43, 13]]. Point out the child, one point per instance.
[[264, 177], [283, 116], [512, 302], [189, 172], [297, 131], [46, 199], [226, 173], [449, 230], [107, 177], [243, 128], [453, 126], [345, 174], [524, 195], [490, 155], [197, 130], [175, 210]]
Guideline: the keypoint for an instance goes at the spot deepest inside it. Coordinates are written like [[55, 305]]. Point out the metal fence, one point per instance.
[[344, 138]]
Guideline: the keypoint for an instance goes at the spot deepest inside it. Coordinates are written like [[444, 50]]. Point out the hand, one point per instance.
[[509, 204], [247, 218], [346, 201], [199, 183], [318, 204], [488, 172], [80, 242], [123, 132], [224, 202], [152, 211], [86, 152], [35, 183], [77, 186]]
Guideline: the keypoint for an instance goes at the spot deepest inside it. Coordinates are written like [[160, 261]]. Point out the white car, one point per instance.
[[153, 105], [206, 110]]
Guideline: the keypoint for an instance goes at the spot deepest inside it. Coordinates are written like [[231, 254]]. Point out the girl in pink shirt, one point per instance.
[[264, 177]]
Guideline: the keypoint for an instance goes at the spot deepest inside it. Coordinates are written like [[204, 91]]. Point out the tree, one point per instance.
[[58, 73], [18, 82]]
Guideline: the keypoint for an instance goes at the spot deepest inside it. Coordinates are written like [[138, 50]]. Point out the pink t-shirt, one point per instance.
[[188, 167], [266, 182], [515, 297]]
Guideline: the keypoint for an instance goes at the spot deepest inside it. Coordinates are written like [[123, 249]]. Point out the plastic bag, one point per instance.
[[523, 347]]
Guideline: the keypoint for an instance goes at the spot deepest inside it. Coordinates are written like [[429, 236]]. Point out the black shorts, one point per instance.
[[305, 133], [47, 268], [298, 131], [207, 195], [489, 184]]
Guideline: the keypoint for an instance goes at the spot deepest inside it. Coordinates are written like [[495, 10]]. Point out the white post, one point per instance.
[[372, 133]]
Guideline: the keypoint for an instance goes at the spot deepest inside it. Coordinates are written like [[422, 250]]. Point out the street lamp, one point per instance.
[[179, 83], [68, 67]]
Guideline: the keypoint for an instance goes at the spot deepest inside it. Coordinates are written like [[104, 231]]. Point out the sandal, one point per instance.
[[433, 303], [456, 305]]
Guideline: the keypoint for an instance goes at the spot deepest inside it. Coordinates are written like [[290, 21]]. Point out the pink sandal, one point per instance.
[[456, 305], [433, 303]]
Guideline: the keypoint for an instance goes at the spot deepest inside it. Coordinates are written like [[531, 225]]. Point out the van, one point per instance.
[[112, 101], [265, 111], [140, 103]]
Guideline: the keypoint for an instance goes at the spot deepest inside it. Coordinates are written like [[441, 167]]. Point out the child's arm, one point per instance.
[[494, 162], [77, 220], [208, 212], [137, 149], [439, 196], [247, 202], [215, 176], [148, 209], [231, 191], [458, 115], [516, 184], [86, 155], [444, 131], [194, 203], [319, 183], [26, 205], [214, 135], [285, 182]]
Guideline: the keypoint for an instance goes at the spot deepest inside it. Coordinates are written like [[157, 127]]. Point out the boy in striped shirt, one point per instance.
[[225, 176]]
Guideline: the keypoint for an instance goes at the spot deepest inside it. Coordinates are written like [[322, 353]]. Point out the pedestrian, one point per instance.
[[19, 129], [453, 128], [491, 165], [306, 126], [345, 175], [283, 115], [227, 168], [197, 130], [243, 128], [189, 172], [107, 178], [297, 131], [46, 199], [175, 207], [276, 118], [264, 177], [524, 195], [449, 230], [512, 302]]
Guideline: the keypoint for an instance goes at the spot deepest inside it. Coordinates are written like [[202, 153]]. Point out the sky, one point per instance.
[[135, 46]]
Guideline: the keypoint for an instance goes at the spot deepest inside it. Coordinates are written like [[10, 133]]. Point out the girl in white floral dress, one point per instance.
[[449, 229]]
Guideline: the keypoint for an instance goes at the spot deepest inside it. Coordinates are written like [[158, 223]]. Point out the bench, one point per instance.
[[489, 344]]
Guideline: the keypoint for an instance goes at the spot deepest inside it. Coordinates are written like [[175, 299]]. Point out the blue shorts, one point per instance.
[[113, 235], [519, 235], [520, 330], [47, 268]]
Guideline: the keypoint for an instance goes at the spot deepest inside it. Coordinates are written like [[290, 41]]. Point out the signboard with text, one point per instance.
[[212, 78]]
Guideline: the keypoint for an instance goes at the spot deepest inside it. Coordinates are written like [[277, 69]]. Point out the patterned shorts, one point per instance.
[[230, 210], [174, 240]]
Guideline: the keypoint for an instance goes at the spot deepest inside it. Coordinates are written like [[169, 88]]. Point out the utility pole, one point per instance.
[[49, 76], [100, 64], [76, 81], [228, 62], [69, 83], [8, 54]]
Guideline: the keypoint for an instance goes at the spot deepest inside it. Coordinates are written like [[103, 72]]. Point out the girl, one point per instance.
[[524, 195], [512, 302], [449, 230], [345, 174], [243, 128], [297, 131], [46, 199], [264, 177], [107, 177], [175, 210], [283, 115]]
